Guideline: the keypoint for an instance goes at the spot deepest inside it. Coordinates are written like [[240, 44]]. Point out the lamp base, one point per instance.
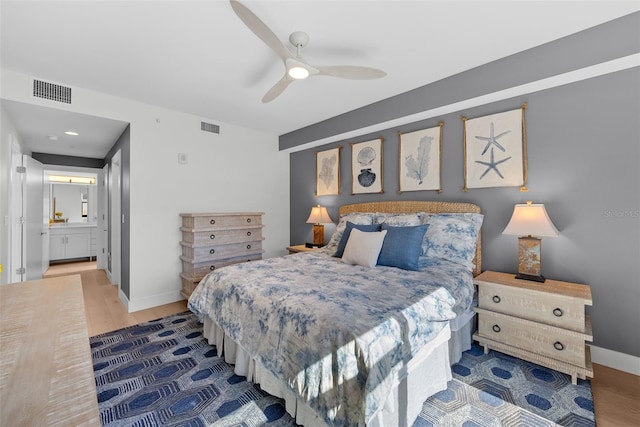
[[530, 277], [318, 234], [529, 259]]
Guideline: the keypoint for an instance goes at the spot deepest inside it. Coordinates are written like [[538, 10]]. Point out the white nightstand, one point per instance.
[[544, 323]]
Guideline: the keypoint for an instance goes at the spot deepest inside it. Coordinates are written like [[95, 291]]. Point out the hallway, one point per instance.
[[104, 310]]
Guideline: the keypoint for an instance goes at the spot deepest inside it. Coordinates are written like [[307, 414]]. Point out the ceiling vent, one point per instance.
[[51, 91], [209, 127]]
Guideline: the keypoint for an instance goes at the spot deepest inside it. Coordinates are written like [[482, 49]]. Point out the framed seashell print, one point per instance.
[[366, 167], [495, 150], [328, 172], [420, 159]]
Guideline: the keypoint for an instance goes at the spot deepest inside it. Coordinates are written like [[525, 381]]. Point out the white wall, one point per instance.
[[237, 170]]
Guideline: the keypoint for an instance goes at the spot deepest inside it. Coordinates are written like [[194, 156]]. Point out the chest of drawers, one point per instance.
[[214, 240], [544, 323]]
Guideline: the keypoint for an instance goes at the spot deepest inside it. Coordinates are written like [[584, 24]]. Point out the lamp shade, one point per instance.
[[319, 215], [530, 220]]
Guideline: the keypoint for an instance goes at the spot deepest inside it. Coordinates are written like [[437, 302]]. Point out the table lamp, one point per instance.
[[529, 220], [317, 217]]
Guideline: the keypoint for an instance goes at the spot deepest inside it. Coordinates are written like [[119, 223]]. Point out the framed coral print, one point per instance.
[[366, 167], [328, 172], [420, 159], [495, 150]]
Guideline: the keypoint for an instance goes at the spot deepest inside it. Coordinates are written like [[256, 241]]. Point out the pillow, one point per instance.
[[398, 220], [356, 218], [363, 248], [347, 231], [452, 237], [402, 246]]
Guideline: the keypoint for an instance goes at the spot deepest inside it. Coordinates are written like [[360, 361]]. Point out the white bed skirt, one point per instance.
[[427, 373]]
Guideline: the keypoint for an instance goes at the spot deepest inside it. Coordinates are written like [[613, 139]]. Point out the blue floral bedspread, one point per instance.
[[335, 333]]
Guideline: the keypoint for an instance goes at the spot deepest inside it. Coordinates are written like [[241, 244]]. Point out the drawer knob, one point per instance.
[[496, 299], [213, 267], [248, 233], [213, 236], [248, 220], [496, 328], [248, 246], [557, 312], [558, 346], [212, 251], [213, 221]]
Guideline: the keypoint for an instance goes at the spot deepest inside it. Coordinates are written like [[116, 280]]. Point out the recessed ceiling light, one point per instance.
[[52, 137], [72, 133]]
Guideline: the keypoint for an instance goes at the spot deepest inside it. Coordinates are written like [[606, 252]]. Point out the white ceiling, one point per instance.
[[199, 58]]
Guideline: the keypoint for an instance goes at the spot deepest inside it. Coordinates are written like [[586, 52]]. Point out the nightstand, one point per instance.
[[544, 323], [299, 248]]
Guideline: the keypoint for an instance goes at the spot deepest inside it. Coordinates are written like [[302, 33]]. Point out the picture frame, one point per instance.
[[495, 150], [366, 167], [328, 172], [420, 160]]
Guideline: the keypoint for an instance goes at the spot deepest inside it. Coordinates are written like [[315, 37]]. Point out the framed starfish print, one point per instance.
[[495, 150]]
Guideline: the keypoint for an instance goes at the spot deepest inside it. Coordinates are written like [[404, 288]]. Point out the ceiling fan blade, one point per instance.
[[260, 29], [277, 89], [353, 72]]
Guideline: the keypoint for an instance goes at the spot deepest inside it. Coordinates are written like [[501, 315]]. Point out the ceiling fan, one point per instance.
[[296, 68]]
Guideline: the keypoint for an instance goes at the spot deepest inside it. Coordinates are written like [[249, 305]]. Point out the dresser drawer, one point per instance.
[[206, 253], [551, 309], [192, 268], [220, 220], [221, 237], [545, 340]]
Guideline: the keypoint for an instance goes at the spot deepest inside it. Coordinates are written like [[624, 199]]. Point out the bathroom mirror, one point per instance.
[[73, 203]]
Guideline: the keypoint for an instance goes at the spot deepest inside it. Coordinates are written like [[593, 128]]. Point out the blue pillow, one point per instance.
[[347, 231], [402, 246]]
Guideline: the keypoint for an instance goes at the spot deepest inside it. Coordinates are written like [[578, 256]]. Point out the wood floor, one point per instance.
[[616, 393], [104, 310]]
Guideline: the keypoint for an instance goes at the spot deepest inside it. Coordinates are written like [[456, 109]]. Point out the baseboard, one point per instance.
[[123, 299], [616, 360], [153, 301]]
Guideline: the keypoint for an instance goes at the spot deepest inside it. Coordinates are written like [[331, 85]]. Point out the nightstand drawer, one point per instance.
[[551, 309], [550, 341]]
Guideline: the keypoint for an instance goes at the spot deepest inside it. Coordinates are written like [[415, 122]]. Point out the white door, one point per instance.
[[16, 273], [46, 214], [115, 220], [103, 219], [35, 225]]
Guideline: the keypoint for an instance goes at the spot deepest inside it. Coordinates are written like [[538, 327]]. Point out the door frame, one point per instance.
[[115, 222]]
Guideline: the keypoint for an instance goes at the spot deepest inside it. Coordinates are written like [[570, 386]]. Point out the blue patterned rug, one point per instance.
[[499, 390], [164, 373]]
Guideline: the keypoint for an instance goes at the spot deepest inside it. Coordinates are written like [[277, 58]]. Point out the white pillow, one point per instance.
[[363, 247]]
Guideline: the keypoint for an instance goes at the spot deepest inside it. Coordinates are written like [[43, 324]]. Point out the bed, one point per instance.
[[350, 343]]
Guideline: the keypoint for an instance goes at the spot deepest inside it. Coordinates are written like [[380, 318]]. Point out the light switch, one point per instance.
[[183, 159]]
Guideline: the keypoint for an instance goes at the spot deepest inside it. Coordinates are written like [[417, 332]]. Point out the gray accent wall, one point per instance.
[[57, 159], [583, 144]]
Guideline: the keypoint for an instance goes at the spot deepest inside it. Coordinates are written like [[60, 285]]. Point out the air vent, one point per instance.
[[51, 91], [209, 127]]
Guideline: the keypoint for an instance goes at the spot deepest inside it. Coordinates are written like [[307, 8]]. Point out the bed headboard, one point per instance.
[[406, 206]]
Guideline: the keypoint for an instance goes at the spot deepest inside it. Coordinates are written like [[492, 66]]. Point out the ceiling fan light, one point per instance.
[[298, 73]]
